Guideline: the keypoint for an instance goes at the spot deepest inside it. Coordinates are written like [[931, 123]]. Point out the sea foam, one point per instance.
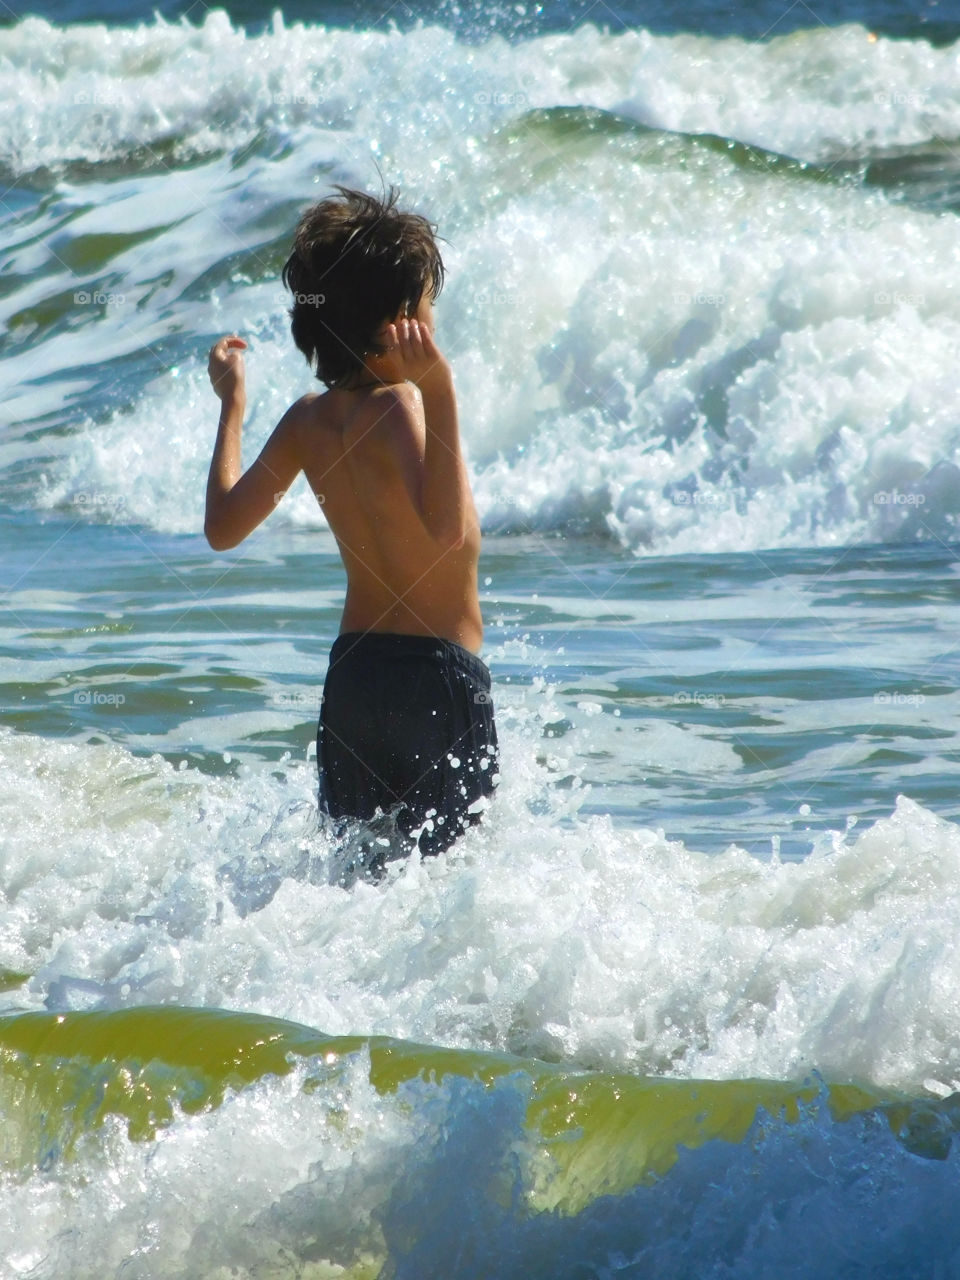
[[542, 933]]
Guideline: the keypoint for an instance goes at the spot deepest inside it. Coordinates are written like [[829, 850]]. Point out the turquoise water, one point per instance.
[[763, 699], [685, 1003]]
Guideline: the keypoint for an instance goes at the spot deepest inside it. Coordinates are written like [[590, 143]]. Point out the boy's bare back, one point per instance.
[[365, 459], [394, 492]]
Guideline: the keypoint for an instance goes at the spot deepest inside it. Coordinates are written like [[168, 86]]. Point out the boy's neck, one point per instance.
[[366, 378], [364, 383]]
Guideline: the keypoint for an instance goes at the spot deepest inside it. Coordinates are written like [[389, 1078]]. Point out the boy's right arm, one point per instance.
[[237, 500]]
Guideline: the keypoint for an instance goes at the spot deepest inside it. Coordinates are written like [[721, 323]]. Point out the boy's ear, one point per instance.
[[383, 340], [380, 334]]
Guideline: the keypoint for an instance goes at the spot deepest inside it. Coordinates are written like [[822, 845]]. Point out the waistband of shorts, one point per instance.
[[393, 644]]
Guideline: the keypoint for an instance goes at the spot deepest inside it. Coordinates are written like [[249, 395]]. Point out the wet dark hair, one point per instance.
[[357, 261]]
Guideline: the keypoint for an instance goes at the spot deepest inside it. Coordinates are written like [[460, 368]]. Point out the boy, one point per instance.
[[406, 726]]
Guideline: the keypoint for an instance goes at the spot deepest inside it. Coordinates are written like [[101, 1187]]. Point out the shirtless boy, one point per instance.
[[406, 727]]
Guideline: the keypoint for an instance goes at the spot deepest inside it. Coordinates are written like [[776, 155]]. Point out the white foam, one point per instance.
[[840, 426], [90, 92], [542, 933], [175, 1206], [649, 340], [823, 93]]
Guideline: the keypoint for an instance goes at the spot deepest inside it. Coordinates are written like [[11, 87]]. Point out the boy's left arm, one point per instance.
[[238, 501]]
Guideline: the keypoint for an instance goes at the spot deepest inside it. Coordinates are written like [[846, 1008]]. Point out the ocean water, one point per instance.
[[686, 1003]]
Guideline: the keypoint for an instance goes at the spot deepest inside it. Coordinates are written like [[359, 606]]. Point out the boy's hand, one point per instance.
[[418, 356], [225, 367]]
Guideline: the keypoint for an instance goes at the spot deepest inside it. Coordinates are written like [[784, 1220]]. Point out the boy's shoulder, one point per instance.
[[375, 427], [312, 412], [382, 413], [345, 410]]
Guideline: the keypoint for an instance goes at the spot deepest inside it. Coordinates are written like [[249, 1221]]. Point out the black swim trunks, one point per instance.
[[406, 728]]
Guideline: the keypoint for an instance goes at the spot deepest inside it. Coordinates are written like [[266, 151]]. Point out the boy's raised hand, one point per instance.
[[225, 367], [418, 356]]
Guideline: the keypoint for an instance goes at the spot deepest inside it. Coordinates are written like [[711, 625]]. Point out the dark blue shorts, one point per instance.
[[406, 729]]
